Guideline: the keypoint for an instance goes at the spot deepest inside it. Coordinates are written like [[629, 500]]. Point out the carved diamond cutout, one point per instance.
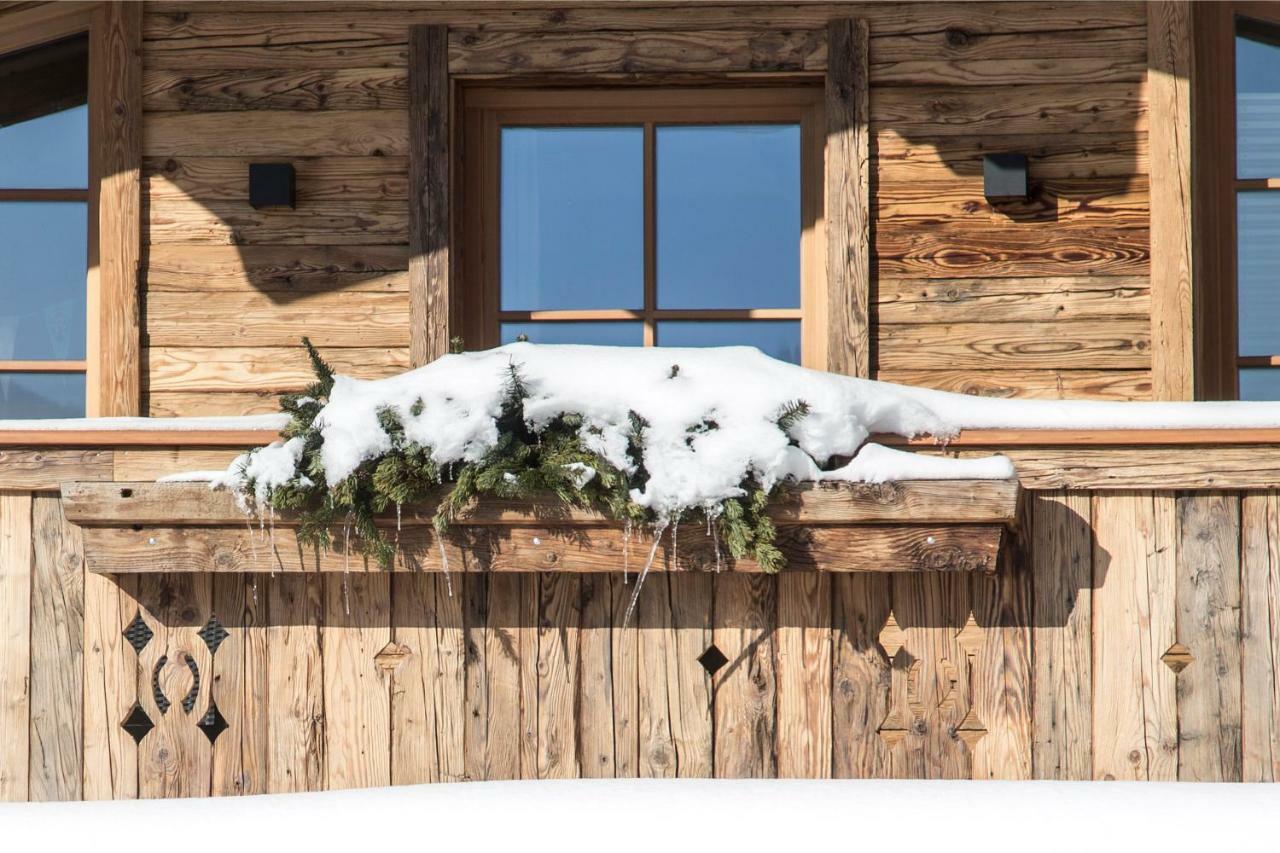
[[712, 659], [1177, 658], [392, 657], [137, 634], [162, 701], [212, 723], [971, 729], [137, 723], [213, 634], [892, 637]]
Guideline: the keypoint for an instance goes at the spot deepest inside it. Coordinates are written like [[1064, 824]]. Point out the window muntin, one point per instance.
[[730, 185], [44, 231]]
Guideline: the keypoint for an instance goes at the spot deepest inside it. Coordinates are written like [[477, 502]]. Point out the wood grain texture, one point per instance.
[[492, 737], [15, 637], [1260, 636], [296, 757], [297, 88], [1063, 575], [236, 223], [1244, 467], [114, 377], [277, 269], [1122, 201], [357, 708], [1034, 384], [35, 469], [860, 675], [256, 320], [277, 133], [902, 158], [1120, 343], [277, 369], [802, 644], [559, 673], [745, 689], [1135, 726], [848, 199], [1169, 97], [317, 179], [478, 53], [1011, 300], [430, 300], [1208, 608], [57, 654], [110, 768]]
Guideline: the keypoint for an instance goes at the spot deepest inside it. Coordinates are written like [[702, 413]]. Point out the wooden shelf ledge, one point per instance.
[[911, 526]]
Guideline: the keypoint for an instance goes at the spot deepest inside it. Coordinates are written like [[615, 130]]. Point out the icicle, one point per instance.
[[274, 550], [626, 552], [653, 552], [715, 540], [444, 561], [346, 546], [253, 545], [346, 597], [253, 589]]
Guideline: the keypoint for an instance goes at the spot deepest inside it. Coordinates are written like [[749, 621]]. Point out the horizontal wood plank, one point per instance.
[[935, 502], [1011, 299], [960, 250], [1121, 44], [1012, 71], [1118, 343], [1120, 201], [277, 133], [306, 88], [235, 223], [195, 404], [277, 269], [318, 179], [1033, 384], [919, 157], [897, 548], [30, 469], [189, 368]]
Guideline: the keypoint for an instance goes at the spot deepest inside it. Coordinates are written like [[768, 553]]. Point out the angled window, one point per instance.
[[44, 230], [678, 217]]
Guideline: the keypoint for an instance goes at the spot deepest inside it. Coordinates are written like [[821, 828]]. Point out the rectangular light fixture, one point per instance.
[[271, 185], [1004, 177]]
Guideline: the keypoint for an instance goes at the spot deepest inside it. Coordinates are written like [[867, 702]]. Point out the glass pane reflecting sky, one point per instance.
[[1260, 383], [777, 338], [1258, 271], [598, 333], [572, 218], [49, 152], [42, 280], [41, 395], [728, 209], [1257, 109]]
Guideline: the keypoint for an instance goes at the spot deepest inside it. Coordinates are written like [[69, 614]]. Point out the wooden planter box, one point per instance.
[[913, 526]]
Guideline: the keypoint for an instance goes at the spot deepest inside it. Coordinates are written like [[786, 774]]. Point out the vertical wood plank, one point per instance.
[[597, 715], [57, 653], [296, 758], [1001, 670], [529, 684], [624, 643], [175, 758], [110, 688], [1169, 69], [1208, 601], [1260, 636], [115, 104], [860, 674], [1135, 728], [674, 618], [492, 734], [15, 643], [357, 705], [255, 706], [428, 692], [1062, 562], [231, 690], [745, 697], [803, 661], [429, 302], [848, 198], [559, 619]]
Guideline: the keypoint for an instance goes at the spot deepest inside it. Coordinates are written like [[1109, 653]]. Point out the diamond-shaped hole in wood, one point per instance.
[[213, 633], [212, 723], [712, 659], [137, 634], [1178, 657], [137, 723]]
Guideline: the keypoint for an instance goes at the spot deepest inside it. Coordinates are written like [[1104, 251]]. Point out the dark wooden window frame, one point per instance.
[[443, 62], [1215, 187]]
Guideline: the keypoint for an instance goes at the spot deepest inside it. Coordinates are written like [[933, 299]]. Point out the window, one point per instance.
[[1257, 201], [44, 230], [644, 218]]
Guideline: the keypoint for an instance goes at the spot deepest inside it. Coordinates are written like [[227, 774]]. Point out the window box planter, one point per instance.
[[910, 526]]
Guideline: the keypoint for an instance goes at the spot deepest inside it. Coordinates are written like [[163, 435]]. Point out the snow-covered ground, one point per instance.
[[677, 815]]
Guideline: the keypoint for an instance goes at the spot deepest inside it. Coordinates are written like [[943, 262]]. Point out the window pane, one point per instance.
[[602, 333], [41, 395], [49, 152], [42, 280], [777, 338], [1258, 273], [1260, 383], [728, 209], [572, 218], [1257, 108]]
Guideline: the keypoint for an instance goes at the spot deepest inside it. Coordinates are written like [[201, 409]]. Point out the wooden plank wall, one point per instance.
[[1044, 298], [1132, 636]]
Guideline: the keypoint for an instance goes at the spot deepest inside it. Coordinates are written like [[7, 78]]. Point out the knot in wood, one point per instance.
[[956, 37]]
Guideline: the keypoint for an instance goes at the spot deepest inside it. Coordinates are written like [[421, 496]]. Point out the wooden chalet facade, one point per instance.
[[1130, 631]]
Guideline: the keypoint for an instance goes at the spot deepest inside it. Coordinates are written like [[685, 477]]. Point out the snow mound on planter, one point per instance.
[[712, 420]]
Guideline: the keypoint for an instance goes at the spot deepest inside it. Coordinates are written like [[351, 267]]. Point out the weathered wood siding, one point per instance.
[[1132, 636], [1045, 298]]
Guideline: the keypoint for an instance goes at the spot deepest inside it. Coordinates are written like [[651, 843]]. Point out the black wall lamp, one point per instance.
[[1004, 177], [271, 185]]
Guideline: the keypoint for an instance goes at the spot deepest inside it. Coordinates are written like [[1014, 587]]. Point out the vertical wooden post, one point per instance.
[[15, 640], [114, 345], [1169, 64], [848, 199], [429, 303]]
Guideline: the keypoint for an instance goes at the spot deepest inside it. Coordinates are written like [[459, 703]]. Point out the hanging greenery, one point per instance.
[[524, 463]]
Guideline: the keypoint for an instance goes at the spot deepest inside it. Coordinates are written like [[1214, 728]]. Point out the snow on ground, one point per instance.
[[656, 816]]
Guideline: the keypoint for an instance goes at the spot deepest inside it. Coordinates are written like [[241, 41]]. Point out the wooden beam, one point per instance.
[[429, 234], [918, 501], [870, 548], [135, 438], [1169, 61], [848, 199], [31, 470], [115, 111]]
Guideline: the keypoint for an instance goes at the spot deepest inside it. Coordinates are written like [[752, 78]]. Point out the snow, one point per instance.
[[215, 424], [617, 816]]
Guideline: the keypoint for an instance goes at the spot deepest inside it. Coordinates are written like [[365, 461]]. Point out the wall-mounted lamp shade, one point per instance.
[[1004, 176], [271, 185]]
